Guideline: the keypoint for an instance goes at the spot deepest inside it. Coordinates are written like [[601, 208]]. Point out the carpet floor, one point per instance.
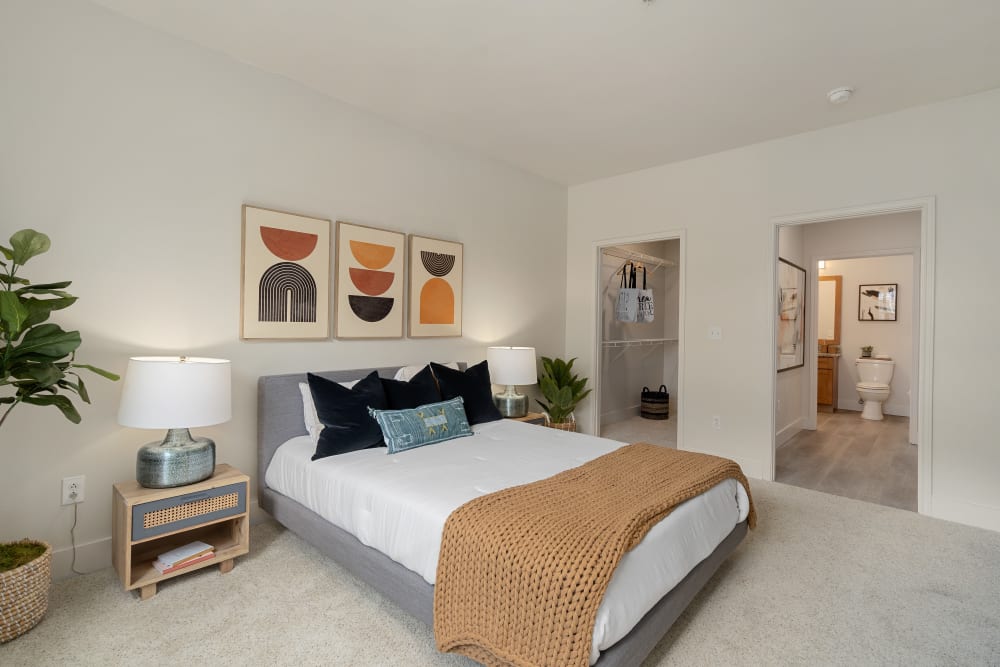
[[824, 580]]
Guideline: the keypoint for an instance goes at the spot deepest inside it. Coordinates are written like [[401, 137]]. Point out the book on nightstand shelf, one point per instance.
[[163, 569], [189, 554]]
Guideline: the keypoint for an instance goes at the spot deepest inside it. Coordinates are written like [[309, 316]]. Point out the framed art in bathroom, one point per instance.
[[877, 303], [791, 316]]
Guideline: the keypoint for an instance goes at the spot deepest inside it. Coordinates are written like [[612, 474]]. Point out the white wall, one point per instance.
[[894, 339], [727, 203], [791, 385], [134, 151]]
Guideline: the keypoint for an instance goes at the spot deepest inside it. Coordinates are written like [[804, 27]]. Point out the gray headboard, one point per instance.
[[279, 408]]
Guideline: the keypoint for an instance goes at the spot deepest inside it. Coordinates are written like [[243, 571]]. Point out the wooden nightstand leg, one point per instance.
[[147, 592], [226, 566]]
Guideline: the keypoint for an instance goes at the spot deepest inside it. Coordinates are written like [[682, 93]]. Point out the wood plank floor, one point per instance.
[[853, 457]]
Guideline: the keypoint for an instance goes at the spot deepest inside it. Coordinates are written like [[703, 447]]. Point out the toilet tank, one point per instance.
[[875, 370]]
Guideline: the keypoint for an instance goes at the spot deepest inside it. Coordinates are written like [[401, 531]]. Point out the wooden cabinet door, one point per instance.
[[824, 387]]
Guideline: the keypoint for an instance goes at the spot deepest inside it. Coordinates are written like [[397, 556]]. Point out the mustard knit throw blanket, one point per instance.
[[523, 571]]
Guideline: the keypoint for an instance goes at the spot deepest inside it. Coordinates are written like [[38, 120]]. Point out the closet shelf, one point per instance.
[[652, 263], [636, 342]]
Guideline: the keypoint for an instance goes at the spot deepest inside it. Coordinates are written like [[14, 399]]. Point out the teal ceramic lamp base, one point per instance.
[[176, 461]]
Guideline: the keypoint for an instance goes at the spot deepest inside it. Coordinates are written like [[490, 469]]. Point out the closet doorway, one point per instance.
[[636, 351]]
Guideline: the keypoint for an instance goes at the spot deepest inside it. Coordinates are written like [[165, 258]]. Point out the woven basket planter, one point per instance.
[[563, 426], [24, 595]]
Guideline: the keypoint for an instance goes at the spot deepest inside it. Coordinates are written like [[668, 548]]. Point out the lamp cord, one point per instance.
[[72, 541]]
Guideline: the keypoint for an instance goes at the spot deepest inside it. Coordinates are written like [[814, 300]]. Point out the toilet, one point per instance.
[[874, 375]]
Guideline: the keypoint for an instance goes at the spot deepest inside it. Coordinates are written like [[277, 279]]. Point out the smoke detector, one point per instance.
[[840, 95]]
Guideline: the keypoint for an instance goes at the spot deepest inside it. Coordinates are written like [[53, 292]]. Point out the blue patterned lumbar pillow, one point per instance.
[[423, 425]]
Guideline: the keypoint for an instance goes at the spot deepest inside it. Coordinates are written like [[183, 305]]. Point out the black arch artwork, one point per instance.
[[370, 308], [437, 264], [287, 293]]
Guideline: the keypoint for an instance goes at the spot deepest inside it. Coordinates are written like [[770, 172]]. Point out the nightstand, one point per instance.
[[149, 522], [531, 418]]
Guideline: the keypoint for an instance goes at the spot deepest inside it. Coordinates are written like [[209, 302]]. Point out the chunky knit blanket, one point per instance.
[[523, 571]]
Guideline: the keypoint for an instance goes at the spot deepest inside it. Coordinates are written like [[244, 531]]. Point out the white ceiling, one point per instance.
[[576, 90]]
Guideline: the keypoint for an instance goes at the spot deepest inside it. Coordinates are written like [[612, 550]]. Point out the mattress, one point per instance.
[[398, 505]]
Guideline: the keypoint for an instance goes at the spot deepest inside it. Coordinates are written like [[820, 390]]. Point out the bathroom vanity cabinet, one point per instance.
[[826, 382]]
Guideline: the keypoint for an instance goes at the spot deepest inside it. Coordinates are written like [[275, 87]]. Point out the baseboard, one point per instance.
[[789, 432], [621, 414], [90, 557], [964, 511], [96, 554], [752, 468], [890, 408]]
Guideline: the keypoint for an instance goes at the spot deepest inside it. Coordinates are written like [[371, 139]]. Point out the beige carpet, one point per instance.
[[824, 580]]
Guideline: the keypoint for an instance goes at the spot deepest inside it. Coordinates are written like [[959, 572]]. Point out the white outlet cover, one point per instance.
[[715, 333]]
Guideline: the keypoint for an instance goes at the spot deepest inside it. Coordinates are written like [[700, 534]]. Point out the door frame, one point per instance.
[[925, 328], [595, 365]]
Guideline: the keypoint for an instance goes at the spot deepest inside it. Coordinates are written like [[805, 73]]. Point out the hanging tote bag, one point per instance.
[[627, 306], [645, 301], [655, 404]]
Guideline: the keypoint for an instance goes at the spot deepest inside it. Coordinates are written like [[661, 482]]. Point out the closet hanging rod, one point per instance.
[[637, 342], [652, 263]]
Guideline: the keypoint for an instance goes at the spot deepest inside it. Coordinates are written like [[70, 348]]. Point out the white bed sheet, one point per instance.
[[398, 504]]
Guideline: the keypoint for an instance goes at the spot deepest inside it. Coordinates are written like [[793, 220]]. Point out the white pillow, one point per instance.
[[406, 373], [313, 425]]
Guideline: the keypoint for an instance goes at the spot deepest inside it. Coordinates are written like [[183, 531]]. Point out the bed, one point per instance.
[[284, 467]]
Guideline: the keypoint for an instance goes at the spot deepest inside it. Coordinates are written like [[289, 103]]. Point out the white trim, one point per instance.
[[789, 432], [964, 511], [924, 256], [679, 235], [90, 557]]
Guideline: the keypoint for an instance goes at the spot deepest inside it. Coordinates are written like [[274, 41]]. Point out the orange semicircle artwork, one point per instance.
[[437, 302], [287, 244], [372, 255], [370, 282]]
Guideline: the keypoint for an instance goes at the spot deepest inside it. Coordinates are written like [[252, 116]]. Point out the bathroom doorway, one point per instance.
[[821, 440], [637, 353]]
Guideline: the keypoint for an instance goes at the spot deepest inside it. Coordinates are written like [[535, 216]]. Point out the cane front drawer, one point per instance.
[[191, 509]]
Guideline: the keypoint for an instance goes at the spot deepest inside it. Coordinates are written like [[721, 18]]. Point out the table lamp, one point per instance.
[[175, 393], [512, 366]]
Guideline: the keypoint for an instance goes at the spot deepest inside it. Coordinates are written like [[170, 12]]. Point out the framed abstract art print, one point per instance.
[[286, 276]]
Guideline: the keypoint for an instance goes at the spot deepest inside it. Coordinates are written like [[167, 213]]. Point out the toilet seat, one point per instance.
[[871, 386]]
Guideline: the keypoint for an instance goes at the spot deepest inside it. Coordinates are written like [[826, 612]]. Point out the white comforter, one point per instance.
[[398, 504]]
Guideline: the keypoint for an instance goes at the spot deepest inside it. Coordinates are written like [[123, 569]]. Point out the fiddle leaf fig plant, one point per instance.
[[561, 387], [37, 364]]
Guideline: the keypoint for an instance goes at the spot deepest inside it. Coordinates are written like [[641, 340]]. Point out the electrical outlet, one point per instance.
[[717, 422], [73, 489], [715, 333]]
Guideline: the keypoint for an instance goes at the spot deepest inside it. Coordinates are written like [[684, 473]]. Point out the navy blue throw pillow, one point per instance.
[[420, 390], [347, 426], [473, 386]]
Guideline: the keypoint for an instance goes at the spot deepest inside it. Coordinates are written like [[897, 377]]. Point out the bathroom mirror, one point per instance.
[[828, 310]]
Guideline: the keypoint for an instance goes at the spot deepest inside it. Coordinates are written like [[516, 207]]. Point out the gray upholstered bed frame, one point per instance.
[[279, 417]]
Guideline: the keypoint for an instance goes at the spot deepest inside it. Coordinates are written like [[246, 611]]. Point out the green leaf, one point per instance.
[[12, 314], [64, 404], [44, 375], [100, 371], [28, 243], [47, 340], [47, 286], [34, 289], [40, 309], [12, 280], [7, 252]]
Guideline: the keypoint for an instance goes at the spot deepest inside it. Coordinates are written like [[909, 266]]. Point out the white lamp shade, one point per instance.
[[512, 365], [175, 392]]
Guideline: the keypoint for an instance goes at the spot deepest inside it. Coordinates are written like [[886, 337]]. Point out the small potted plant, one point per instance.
[[866, 351], [563, 390], [36, 367]]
